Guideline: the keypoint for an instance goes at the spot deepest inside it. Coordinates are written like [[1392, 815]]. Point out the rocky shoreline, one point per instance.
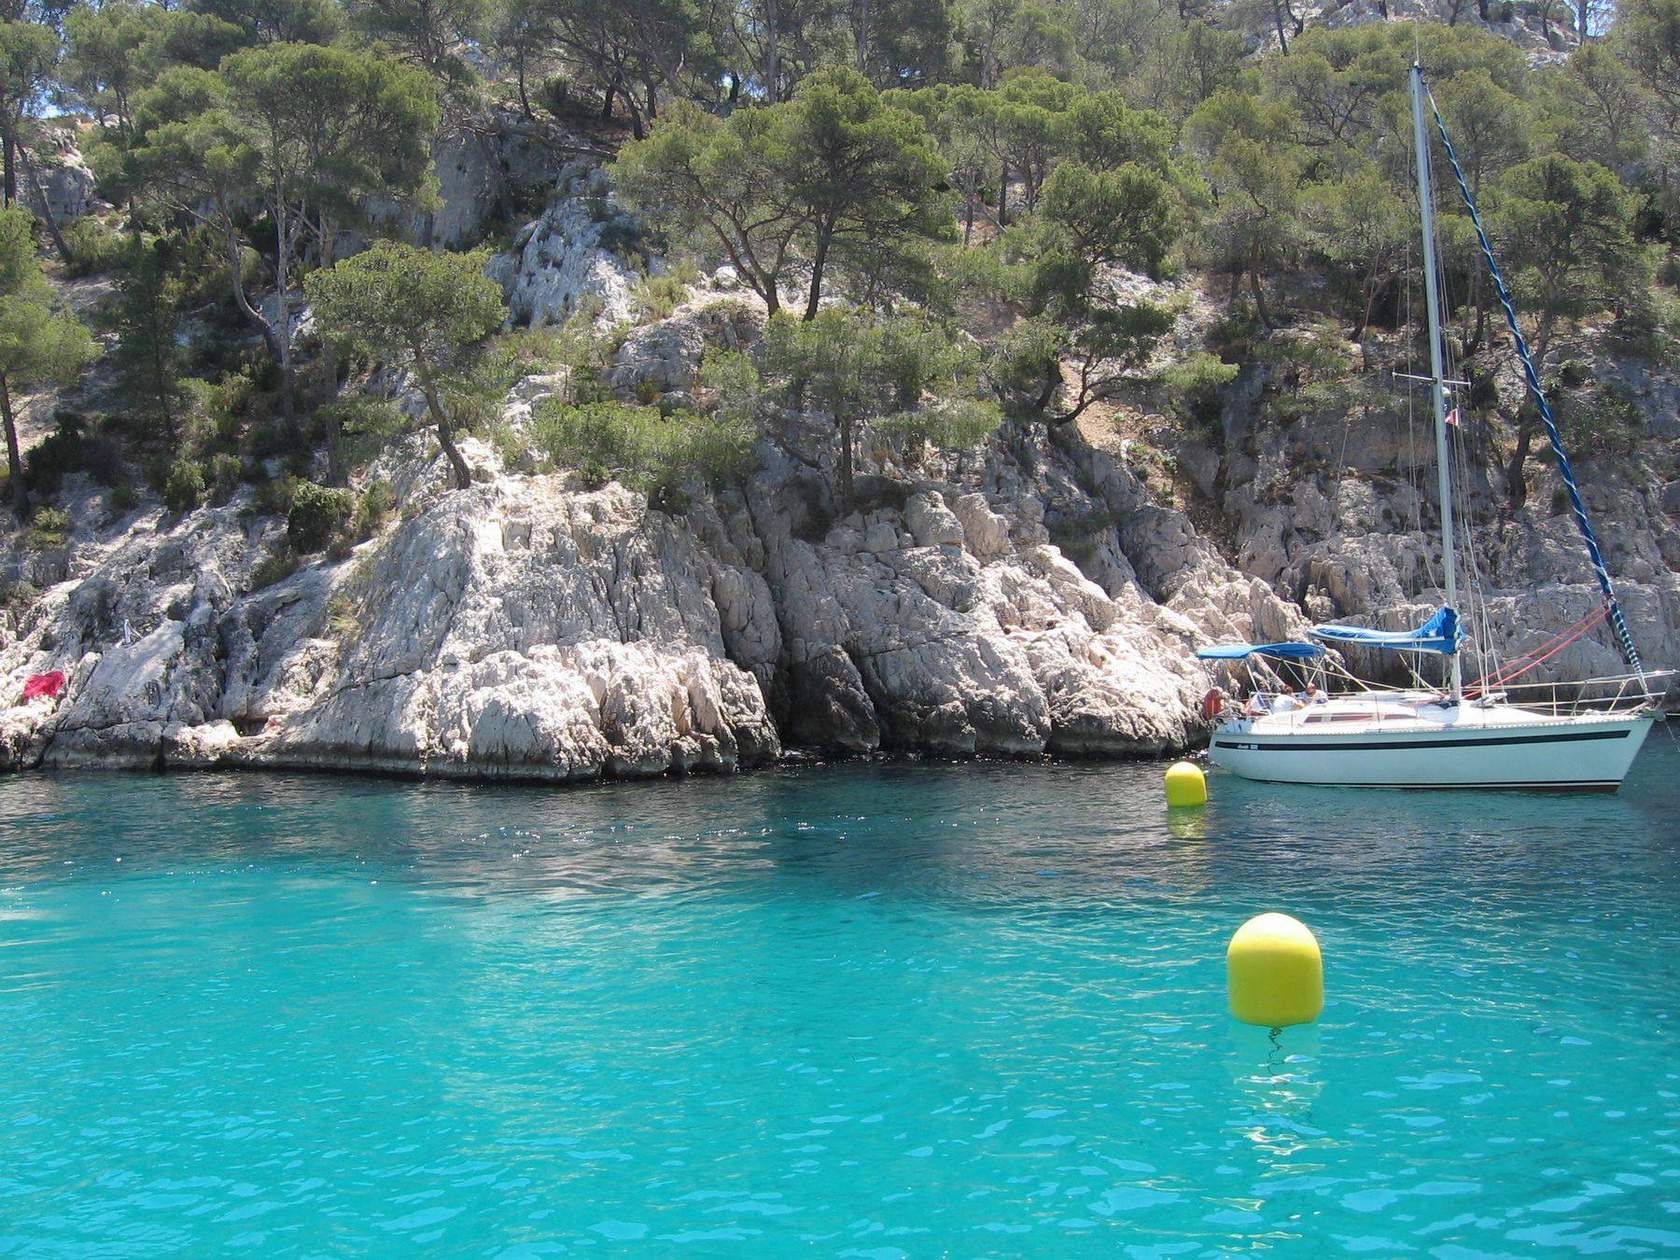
[[1041, 595]]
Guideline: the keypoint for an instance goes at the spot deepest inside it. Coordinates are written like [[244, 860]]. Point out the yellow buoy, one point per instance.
[[1275, 972], [1186, 784]]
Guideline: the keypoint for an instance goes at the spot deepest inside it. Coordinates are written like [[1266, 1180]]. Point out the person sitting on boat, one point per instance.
[[1312, 695], [1256, 705], [1284, 701]]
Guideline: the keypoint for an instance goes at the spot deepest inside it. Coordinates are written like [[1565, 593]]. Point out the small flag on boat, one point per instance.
[[1452, 417]]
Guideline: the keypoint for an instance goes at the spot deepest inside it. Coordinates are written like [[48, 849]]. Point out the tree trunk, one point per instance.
[[440, 421], [47, 216], [1259, 298], [1277, 20], [283, 321], [818, 260], [335, 442], [8, 143], [524, 101], [607, 102], [1003, 198], [14, 459], [1516, 485], [846, 426], [772, 54]]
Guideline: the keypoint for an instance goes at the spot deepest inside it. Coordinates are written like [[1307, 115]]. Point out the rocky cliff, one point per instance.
[[530, 628], [1043, 593]]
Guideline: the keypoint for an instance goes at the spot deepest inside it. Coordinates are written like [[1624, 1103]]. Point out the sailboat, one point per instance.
[[1483, 735]]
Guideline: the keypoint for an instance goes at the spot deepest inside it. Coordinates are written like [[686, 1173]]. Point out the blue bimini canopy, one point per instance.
[[1241, 651], [1439, 634]]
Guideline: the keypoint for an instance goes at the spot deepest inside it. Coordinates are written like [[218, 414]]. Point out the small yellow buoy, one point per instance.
[[1275, 972], [1186, 784]]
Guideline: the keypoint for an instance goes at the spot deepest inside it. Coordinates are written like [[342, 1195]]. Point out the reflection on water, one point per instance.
[[869, 1009]]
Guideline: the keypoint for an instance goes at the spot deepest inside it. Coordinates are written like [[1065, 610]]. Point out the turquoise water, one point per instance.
[[864, 1010]]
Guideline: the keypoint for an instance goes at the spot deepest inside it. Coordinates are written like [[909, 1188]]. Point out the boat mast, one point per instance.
[[1437, 389]]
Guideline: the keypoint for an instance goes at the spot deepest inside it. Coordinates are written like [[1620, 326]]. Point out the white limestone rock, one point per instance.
[[558, 262]]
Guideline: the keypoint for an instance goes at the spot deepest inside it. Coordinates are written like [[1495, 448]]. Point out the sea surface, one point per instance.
[[872, 1010]]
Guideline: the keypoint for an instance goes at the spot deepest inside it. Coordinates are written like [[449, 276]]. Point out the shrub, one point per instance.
[[317, 514], [342, 621], [1606, 421], [365, 427], [274, 496], [731, 385], [642, 448], [225, 474], [277, 566], [657, 296], [124, 498], [218, 410], [949, 425], [47, 528], [374, 508], [69, 448], [183, 487], [555, 95], [94, 247], [1196, 388], [16, 596]]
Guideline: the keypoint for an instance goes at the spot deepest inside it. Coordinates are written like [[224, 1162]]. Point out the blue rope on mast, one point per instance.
[[1624, 637]]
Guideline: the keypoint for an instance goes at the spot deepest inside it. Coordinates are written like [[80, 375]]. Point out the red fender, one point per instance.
[[1213, 703]]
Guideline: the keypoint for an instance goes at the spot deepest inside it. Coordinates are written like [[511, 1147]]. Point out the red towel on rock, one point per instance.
[[48, 684]]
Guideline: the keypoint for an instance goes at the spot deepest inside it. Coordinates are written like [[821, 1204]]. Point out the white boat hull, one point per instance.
[[1436, 747]]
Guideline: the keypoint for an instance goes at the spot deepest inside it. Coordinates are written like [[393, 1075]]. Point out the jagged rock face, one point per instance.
[[1339, 513], [66, 189], [527, 629], [558, 262], [481, 165], [512, 630], [663, 358]]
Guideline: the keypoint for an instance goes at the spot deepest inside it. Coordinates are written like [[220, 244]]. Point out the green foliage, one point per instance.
[[412, 308], [274, 496], [73, 446], [373, 509], [1598, 422], [275, 567], [407, 306], [860, 368], [365, 426], [183, 488], [1196, 388], [657, 296], [95, 247], [947, 424], [839, 172], [315, 132], [641, 447], [1564, 231], [149, 357], [731, 386], [318, 514], [48, 528], [225, 473], [38, 344]]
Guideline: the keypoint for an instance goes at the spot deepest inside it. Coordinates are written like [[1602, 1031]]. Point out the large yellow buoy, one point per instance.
[[1275, 972], [1186, 784]]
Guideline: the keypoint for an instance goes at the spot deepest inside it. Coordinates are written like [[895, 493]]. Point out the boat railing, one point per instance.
[[1610, 693]]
